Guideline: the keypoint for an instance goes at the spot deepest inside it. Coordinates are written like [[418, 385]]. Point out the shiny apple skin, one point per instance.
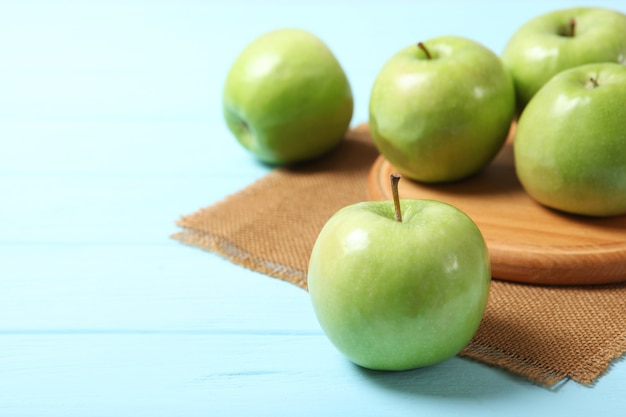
[[399, 295], [441, 118], [540, 48], [570, 145], [286, 98]]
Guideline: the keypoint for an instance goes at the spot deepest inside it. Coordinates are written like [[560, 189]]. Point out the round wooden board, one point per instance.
[[527, 242]]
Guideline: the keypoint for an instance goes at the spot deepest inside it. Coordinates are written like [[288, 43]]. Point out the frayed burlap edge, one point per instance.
[[535, 372], [539, 373], [223, 247]]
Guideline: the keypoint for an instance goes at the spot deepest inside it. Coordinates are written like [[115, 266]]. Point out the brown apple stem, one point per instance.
[[423, 48], [395, 178], [572, 28], [592, 83]]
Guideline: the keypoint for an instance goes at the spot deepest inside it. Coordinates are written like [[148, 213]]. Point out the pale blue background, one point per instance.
[[110, 129]]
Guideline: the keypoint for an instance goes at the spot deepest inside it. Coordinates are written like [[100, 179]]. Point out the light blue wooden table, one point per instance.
[[110, 130]]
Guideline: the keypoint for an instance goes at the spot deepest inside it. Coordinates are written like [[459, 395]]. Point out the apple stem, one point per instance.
[[423, 48], [572, 28], [395, 178], [593, 83]]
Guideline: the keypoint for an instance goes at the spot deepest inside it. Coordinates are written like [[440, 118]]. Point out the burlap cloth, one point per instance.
[[545, 333]]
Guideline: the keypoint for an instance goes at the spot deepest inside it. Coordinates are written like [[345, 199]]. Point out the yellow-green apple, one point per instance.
[[440, 110], [570, 145], [395, 289], [559, 40], [287, 98]]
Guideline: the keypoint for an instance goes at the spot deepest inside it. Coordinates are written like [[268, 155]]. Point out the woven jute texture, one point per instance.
[[547, 334]]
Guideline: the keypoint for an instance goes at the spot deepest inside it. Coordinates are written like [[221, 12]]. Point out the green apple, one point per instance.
[[441, 110], [396, 292], [559, 40], [570, 145], [287, 98]]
